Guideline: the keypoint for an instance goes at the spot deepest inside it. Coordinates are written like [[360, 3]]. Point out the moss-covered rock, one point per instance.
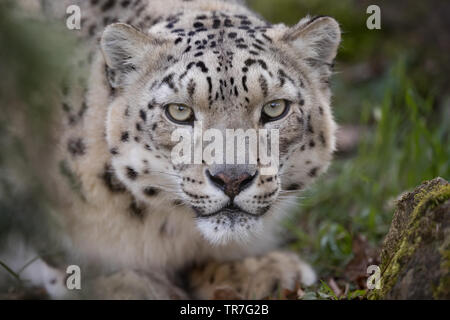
[[415, 259]]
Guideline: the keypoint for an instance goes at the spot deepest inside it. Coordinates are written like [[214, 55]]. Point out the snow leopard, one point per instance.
[[160, 230]]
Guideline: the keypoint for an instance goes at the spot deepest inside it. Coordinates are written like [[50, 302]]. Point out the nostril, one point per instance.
[[216, 180], [247, 181]]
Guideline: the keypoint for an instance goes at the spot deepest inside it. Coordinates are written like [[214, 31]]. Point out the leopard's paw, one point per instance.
[[254, 277]]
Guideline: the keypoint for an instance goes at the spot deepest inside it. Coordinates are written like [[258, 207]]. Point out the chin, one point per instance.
[[230, 227]]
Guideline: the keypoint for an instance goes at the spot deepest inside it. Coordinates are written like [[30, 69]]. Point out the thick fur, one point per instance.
[[126, 208]]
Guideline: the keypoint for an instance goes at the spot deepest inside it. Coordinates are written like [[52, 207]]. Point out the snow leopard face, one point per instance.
[[227, 72]]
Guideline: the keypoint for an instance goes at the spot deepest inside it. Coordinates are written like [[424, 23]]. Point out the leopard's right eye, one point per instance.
[[274, 110], [179, 113]]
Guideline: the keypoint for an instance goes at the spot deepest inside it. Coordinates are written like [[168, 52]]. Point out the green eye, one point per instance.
[[179, 113], [275, 110]]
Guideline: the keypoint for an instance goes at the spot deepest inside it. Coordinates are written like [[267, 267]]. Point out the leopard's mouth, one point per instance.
[[232, 211], [231, 223]]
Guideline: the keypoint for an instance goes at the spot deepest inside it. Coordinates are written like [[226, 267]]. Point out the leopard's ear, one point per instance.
[[124, 47], [315, 40]]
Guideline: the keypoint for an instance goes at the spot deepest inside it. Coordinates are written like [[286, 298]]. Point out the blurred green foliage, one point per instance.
[[392, 83], [401, 150], [33, 62], [415, 31]]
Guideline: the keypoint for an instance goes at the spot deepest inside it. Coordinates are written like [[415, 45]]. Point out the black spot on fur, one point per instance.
[[258, 47], [313, 172], [244, 83], [137, 210], [228, 23], [169, 81], [209, 84], [143, 115], [263, 84], [282, 76], [191, 87], [76, 147], [110, 179], [125, 3], [266, 37], [108, 5], [150, 191], [249, 62], [202, 66], [262, 64], [216, 23], [322, 138], [131, 173], [124, 136], [310, 127], [320, 110]]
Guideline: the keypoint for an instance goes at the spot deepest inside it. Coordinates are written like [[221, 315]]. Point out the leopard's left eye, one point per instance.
[[179, 113], [274, 110]]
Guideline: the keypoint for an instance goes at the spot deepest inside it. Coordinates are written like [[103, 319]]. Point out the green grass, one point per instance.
[[404, 146], [383, 85]]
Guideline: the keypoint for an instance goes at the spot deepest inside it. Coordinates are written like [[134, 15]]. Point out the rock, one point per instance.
[[415, 258]]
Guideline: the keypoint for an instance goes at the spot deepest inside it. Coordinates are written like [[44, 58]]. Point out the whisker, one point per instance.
[[169, 174]]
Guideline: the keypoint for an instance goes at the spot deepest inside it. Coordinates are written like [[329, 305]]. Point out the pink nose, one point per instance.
[[231, 185]]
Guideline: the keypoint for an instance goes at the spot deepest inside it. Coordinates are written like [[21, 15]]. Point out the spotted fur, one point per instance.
[[138, 210]]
